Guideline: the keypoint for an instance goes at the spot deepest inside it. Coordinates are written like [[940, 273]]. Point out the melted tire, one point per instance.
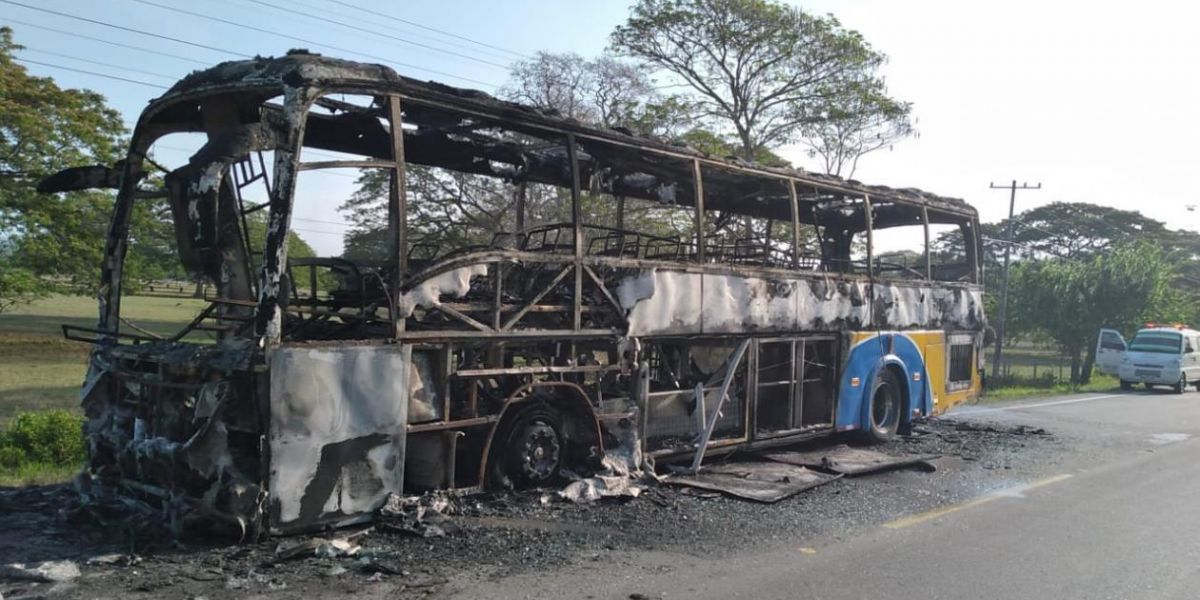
[[532, 448], [885, 411]]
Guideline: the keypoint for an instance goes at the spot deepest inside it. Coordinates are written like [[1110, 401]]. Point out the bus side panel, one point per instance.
[[872, 351], [971, 388], [337, 433], [936, 361]]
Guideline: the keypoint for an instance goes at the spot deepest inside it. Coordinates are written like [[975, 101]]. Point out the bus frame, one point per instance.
[[502, 364]]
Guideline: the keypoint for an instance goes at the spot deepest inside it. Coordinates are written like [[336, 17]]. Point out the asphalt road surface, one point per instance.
[[1115, 515]]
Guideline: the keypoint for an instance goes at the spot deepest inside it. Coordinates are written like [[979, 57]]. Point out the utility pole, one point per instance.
[[1012, 204]]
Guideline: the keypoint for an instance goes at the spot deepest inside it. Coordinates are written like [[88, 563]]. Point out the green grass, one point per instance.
[[1099, 383], [41, 447], [40, 370], [1032, 371], [37, 474]]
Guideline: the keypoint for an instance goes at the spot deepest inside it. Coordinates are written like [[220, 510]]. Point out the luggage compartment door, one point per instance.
[[338, 416]]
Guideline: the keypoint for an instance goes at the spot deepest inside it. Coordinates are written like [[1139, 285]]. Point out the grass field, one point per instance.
[[1036, 371], [40, 370]]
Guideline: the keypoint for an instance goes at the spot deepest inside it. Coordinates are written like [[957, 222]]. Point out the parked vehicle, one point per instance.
[[1157, 355]]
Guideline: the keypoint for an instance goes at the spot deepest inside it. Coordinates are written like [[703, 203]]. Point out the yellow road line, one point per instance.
[[930, 515]]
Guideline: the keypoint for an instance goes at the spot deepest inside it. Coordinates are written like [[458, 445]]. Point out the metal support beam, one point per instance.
[[521, 191], [576, 221], [698, 187], [928, 250], [397, 213], [730, 369], [795, 223]]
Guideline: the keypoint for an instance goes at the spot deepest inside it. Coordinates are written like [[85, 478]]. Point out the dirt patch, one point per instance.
[[496, 535]]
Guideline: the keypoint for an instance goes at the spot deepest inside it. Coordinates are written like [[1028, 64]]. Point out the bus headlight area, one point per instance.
[[708, 306]]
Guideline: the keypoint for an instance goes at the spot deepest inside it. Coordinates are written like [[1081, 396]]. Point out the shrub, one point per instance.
[[52, 436]]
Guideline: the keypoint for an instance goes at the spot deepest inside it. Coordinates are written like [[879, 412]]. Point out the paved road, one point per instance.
[[1116, 516]]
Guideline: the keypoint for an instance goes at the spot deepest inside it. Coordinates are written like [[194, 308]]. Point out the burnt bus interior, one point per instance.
[[524, 303]]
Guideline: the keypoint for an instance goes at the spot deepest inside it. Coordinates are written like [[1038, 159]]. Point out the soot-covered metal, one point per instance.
[[496, 365]]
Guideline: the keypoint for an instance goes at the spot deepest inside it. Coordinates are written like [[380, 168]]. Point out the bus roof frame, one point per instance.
[[297, 69]]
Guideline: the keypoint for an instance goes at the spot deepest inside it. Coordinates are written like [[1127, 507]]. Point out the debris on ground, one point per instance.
[[49, 571], [502, 533], [116, 559], [989, 428], [424, 516], [600, 486], [759, 481], [622, 472], [851, 462], [619, 477], [340, 547]]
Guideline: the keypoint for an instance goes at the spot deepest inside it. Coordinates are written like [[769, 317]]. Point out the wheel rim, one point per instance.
[[883, 407], [538, 450]]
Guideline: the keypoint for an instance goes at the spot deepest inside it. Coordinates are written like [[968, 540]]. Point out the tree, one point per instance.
[[45, 128], [604, 91], [758, 68], [856, 122], [1071, 299], [1080, 229], [445, 210]]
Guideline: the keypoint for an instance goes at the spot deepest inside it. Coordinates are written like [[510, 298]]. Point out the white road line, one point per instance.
[[980, 411]]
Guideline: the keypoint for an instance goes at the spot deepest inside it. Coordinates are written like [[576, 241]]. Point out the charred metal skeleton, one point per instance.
[[491, 365]]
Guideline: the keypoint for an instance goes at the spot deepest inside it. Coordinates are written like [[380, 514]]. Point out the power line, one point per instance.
[[86, 72], [338, 223], [122, 28], [103, 64], [372, 32], [428, 28], [338, 233], [111, 43], [412, 34], [301, 40]]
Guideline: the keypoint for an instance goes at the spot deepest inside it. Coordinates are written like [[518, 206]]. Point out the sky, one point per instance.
[[1097, 101]]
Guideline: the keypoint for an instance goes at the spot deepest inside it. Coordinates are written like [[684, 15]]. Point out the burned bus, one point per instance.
[[627, 292]]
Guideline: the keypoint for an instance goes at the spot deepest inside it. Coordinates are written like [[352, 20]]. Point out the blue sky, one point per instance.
[[1096, 100]]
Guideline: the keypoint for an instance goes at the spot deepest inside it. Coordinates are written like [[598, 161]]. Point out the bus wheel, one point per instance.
[[534, 448], [885, 409], [1126, 385], [1181, 384], [1148, 385]]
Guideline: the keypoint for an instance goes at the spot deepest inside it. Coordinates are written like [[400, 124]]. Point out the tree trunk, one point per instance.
[[1088, 362], [1075, 364], [201, 284]]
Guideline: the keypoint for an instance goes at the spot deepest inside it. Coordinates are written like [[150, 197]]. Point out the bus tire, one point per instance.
[[532, 447], [1126, 385], [884, 413]]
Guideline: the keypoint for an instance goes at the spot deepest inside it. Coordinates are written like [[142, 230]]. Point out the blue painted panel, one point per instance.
[[864, 362]]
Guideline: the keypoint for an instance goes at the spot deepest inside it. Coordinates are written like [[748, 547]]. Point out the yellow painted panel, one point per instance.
[[932, 344], [935, 362]]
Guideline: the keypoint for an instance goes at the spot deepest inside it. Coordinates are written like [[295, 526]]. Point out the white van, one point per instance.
[[1157, 355]]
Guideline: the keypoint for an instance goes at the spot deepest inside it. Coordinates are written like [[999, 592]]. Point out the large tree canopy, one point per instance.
[[855, 122], [44, 128], [759, 68], [1071, 299], [1079, 229]]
